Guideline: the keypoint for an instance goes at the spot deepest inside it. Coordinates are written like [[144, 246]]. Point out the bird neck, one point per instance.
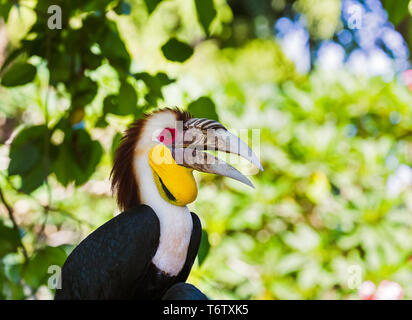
[[175, 221]]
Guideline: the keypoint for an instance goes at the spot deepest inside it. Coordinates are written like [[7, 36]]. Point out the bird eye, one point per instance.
[[167, 136]]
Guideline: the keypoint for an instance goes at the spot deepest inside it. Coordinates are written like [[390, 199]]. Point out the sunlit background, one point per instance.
[[328, 83]]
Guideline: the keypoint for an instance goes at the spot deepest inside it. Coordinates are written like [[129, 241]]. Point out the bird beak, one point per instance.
[[203, 134]]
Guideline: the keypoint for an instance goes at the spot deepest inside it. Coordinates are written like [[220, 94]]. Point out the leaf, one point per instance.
[[110, 103], [397, 10], [83, 92], [13, 272], [115, 143], [28, 158], [9, 240], [19, 74], [113, 48], [101, 122], [11, 57], [5, 9], [154, 84], [22, 159], [203, 107], [127, 99], [92, 61], [36, 273], [12, 290], [77, 157], [61, 64], [123, 7], [175, 50], [122, 104], [206, 12], [151, 5], [34, 178], [203, 248]]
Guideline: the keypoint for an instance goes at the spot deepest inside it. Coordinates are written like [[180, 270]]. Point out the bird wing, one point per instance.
[[110, 261]]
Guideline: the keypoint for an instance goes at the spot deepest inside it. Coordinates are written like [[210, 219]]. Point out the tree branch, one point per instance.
[[15, 225]]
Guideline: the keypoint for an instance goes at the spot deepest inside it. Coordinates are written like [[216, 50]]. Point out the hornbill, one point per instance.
[[147, 251]]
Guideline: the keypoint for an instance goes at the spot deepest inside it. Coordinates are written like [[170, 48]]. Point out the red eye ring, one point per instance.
[[167, 136], [172, 132]]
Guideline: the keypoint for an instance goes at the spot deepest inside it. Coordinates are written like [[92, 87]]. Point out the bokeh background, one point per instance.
[[326, 82]]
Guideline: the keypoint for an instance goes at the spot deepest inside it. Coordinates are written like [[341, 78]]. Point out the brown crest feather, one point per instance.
[[124, 183]]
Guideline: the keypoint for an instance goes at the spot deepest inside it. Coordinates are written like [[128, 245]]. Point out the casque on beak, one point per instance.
[[199, 135]]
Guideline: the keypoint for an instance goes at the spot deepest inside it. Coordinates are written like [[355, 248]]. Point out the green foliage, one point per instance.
[[397, 10], [64, 68], [9, 240], [37, 271], [203, 107], [79, 153], [203, 248], [151, 5], [29, 157], [127, 100], [175, 50], [123, 7], [115, 143], [154, 85], [206, 12], [19, 74], [324, 202], [5, 7]]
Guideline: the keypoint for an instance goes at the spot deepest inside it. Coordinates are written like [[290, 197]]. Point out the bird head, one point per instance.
[[163, 148]]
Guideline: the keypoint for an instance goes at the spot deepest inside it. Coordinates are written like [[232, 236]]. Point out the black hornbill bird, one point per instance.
[[149, 248]]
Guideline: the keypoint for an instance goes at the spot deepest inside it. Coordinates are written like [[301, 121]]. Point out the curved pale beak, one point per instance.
[[201, 135]]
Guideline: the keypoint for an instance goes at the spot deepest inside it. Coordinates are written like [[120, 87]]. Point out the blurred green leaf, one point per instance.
[[397, 10], [12, 291], [101, 122], [2, 280], [13, 272], [122, 104], [123, 7], [34, 178], [203, 248], [151, 5], [115, 143], [19, 161], [28, 158], [110, 104], [9, 240], [19, 74], [154, 83], [77, 158], [36, 273], [11, 57], [114, 49], [61, 64], [127, 99], [175, 50], [83, 92], [203, 107], [5, 7], [206, 12]]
